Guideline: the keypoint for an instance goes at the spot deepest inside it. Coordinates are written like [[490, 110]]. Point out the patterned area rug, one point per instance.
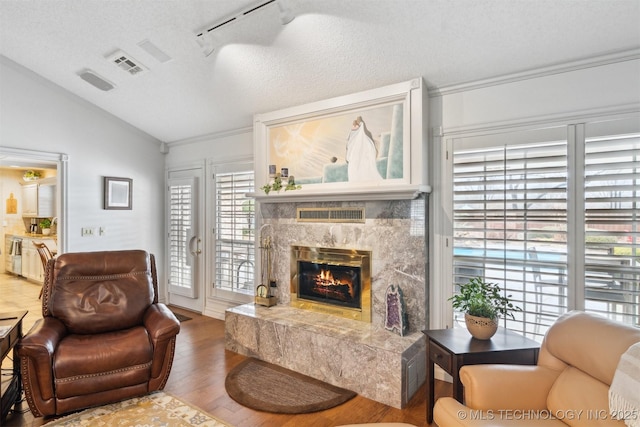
[[260, 385], [156, 409]]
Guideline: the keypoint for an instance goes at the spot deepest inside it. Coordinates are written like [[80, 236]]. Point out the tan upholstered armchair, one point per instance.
[[103, 337], [570, 384]]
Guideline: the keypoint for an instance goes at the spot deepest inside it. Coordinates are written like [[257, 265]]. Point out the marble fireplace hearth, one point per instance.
[[375, 363], [361, 356]]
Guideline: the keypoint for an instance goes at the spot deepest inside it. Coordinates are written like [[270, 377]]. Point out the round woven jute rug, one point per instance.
[[266, 387]]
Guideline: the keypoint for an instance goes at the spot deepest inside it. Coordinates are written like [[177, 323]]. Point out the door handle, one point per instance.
[[197, 251], [193, 252]]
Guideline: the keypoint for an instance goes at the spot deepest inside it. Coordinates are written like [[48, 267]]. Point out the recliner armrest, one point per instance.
[[42, 339], [162, 326], [160, 322], [38, 346], [507, 386]]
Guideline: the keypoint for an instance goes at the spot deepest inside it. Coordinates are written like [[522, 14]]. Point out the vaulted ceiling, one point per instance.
[[331, 48]]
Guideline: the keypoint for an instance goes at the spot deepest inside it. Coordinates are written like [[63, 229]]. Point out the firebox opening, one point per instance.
[[327, 283], [332, 280]]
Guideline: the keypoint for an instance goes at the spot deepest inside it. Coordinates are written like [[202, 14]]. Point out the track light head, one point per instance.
[[207, 43], [286, 15]]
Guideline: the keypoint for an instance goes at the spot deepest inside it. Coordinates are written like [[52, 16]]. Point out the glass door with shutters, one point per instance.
[[184, 240]]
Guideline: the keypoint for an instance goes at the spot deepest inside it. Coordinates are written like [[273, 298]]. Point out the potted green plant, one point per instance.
[[31, 175], [482, 304], [45, 225], [278, 185]]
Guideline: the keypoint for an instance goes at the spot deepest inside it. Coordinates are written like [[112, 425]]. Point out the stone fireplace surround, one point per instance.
[[363, 357]]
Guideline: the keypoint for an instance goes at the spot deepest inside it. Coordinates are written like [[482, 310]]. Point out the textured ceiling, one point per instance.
[[333, 47]]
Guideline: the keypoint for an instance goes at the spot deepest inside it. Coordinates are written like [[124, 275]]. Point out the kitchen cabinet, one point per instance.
[[39, 199], [30, 200], [31, 264]]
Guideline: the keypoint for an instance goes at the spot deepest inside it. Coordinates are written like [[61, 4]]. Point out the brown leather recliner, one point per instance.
[[103, 337]]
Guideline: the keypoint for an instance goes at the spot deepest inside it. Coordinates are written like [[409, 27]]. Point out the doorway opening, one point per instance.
[[14, 164]]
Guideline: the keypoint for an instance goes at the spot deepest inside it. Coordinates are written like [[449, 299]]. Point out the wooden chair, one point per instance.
[[45, 256], [545, 289]]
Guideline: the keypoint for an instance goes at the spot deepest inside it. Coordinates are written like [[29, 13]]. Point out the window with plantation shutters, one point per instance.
[[552, 216], [235, 229], [510, 220], [611, 220]]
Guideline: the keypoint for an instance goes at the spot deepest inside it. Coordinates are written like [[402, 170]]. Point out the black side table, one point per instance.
[[13, 391], [453, 348]]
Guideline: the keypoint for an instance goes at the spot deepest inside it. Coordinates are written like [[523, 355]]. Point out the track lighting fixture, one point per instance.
[[208, 43], [207, 40], [286, 15]]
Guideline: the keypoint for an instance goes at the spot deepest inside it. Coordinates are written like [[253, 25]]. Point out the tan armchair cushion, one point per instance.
[[580, 400], [591, 343], [448, 412], [500, 386]]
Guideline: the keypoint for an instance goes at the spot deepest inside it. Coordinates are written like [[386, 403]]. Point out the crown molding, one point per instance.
[[565, 67], [210, 136]]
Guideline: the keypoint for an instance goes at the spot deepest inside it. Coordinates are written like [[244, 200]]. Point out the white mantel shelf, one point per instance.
[[403, 192]]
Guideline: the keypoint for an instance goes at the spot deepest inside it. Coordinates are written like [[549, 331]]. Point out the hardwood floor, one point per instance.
[[199, 370]]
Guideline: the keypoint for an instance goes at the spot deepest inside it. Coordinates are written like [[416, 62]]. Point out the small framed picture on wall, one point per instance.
[[117, 193]]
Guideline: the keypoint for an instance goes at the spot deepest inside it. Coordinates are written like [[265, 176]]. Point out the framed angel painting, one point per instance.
[[362, 140]]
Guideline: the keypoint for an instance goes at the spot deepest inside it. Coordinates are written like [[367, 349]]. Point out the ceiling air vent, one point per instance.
[[127, 63], [330, 215], [95, 80], [154, 51]]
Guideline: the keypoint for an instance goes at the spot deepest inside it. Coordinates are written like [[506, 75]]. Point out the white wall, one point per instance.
[[582, 92], [38, 115]]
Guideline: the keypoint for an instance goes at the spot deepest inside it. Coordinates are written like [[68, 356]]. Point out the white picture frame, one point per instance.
[[312, 143]]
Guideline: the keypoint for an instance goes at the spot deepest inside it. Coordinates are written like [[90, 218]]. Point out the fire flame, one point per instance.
[[325, 282], [326, 276]]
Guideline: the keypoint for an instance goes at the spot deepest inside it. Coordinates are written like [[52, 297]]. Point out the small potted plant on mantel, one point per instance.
[[482, 304]]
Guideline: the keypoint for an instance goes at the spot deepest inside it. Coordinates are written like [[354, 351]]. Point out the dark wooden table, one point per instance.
[[11, 389], [453, 348]]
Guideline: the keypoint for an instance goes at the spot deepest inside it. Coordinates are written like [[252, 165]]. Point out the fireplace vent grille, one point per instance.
[[330, 215]]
